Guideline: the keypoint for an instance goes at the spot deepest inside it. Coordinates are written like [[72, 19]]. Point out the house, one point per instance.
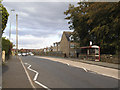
[[66, 47], [67, 44]]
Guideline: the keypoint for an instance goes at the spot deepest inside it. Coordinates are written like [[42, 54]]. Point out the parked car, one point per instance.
[[19, 54], [24, 54], [31, 54]]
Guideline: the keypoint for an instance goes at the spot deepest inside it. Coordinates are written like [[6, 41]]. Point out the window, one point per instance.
[[72, 45]]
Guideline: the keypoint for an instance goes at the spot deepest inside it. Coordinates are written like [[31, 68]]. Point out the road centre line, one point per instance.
[[27, 74], [35, 77], [42, 85]]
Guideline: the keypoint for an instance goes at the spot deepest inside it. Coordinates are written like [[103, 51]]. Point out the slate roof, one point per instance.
[[68, 34]]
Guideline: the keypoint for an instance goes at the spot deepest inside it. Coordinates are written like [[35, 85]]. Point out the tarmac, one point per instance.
[[13, 71]]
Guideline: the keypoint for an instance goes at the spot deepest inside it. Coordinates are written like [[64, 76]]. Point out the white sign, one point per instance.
[[90, 43]]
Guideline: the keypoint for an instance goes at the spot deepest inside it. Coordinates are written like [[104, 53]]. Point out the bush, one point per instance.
[[6, 46]]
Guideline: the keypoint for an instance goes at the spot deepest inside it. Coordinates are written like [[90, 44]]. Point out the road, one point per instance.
[[53, 74]]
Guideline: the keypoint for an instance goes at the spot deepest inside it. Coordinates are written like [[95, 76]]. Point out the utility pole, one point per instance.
[[17, 34], [10, 30], [10, 23]]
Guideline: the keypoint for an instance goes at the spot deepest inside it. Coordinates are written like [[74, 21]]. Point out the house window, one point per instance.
[[72, 45], [58, 49]]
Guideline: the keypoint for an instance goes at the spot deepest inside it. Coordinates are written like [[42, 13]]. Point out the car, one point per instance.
[[19, 54], [24, 54], [31, 54]]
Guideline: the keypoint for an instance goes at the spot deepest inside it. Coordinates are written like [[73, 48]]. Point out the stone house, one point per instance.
[[67, 45]]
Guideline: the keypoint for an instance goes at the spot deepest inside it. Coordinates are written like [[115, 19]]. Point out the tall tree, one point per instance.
[[98, 22], [3, 18], [3, 21]]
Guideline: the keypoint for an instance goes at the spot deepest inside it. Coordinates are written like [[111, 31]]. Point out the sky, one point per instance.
[[40, 24]]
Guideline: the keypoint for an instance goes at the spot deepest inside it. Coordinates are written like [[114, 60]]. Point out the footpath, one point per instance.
[[99, 63], [110, 70], [14, 76]]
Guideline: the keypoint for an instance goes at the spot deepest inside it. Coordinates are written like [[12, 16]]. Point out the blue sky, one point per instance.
[[40, 24]]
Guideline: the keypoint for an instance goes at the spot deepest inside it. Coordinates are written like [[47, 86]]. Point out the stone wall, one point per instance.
[[56, 54], [103, 58], [110, 58]]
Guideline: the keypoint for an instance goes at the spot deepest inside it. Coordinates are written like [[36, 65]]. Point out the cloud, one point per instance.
[[43, 0], [39, 20], [32, 42]]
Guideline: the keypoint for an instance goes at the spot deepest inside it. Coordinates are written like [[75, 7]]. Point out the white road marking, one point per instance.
[[27, 74], [35, 77], [93, 72], [67, 64], [84, 69], [42, 85]]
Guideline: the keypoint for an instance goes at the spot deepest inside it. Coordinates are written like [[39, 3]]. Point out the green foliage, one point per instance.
[[98, 22], [3, 17], [6, 45]]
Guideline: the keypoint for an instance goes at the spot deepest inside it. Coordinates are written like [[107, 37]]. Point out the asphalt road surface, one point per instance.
[[58, 75]]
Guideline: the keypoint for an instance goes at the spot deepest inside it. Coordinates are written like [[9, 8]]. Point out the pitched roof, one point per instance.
[[67, 34]]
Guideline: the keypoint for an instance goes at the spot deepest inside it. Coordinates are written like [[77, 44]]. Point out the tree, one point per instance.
[[3, 18], [3, 21], [6, 46], [98, 22]]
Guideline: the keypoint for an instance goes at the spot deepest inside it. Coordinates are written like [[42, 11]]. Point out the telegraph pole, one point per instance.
[[10, 24], [17, 34], [10, 31]]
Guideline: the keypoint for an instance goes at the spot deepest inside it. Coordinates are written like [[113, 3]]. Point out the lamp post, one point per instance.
[[10, 24], [17, 34]]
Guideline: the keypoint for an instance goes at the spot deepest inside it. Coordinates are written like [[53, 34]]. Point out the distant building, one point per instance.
[[67, 46], [56, 47]]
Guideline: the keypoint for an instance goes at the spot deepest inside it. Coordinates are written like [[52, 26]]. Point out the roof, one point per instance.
[[67, 34], [94, 46]]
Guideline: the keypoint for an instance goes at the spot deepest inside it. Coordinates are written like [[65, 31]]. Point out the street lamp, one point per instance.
[[10, 24], [17, 33]]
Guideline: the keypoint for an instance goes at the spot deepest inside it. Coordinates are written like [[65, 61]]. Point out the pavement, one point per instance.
[[0, 76], [13, 75], [49, 73], [99, 63]]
